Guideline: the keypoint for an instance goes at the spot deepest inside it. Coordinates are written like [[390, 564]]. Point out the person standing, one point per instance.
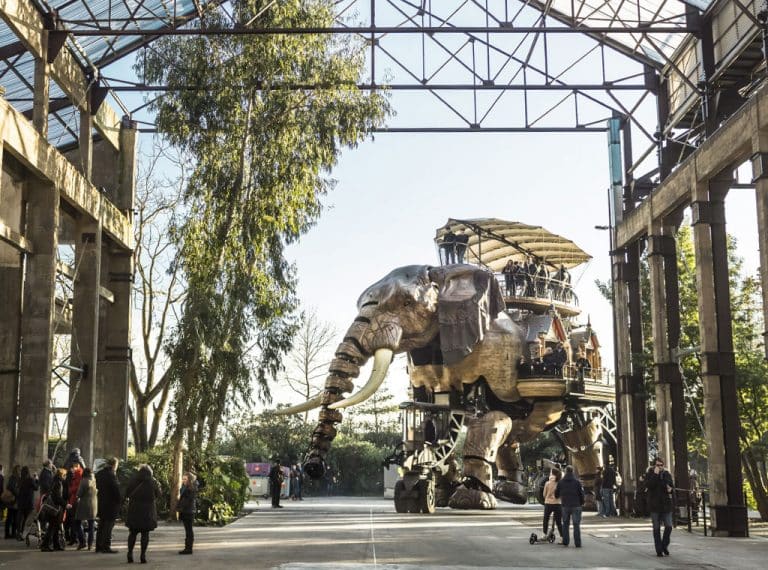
[[142, 492], [74, 476], [449, 247], [658, 488], [87, 507], [108, 505], [508, 277], [53, 539], [276, 478], [607, 491], [11, 493], [2, 488], [598, 487], [46, 476], [552, 504], [25, 500], [187, 507], [571, 494], [462, 242]]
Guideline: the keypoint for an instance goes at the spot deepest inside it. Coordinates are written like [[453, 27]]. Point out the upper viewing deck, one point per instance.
[[531, 264]]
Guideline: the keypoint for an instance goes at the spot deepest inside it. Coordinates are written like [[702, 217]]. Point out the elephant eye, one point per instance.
[[407, 304]]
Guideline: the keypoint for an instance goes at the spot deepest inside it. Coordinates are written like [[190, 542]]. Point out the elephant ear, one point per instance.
[[469, 299]]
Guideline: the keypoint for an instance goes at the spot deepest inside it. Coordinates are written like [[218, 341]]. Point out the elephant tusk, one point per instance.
[[381, 361], [310, 404]]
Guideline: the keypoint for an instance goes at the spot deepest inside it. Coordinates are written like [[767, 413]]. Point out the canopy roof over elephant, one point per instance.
[[493, 242]]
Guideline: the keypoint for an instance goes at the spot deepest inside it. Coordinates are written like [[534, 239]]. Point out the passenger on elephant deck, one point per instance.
[[508, 277], [550, 362], [449, 247], [560, 357], [462, 239], [523, 368]]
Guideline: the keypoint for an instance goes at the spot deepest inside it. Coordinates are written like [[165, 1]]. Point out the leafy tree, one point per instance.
[[262, 148]]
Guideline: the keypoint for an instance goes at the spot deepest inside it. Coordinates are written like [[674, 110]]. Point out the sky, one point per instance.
[[394, 191]]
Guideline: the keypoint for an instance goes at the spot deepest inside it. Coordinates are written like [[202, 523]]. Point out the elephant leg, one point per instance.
[[484, 435], [586, 451], [510, 486]]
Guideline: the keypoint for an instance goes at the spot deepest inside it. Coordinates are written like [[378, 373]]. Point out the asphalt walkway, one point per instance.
[[348, 533]]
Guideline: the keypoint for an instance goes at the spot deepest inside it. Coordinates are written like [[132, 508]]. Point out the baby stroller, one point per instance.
[[31, 529]]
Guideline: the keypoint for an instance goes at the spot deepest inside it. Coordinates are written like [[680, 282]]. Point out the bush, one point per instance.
[[223, 481], [358, 466]]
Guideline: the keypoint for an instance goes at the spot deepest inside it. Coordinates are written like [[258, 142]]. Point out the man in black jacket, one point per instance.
[[276, 483], [571, 495], [659, 488], [109, 505]]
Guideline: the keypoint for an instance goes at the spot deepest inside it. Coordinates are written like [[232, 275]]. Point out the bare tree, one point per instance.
[[307, 363], [157, 290]]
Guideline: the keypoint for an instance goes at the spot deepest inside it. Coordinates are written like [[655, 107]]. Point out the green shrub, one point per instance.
[[224, 482]]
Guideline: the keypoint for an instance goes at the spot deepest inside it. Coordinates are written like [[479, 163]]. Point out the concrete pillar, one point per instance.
[[37, 322], [729, 513], [85, 328], [630, 399], [665, 311], [41, 90], [10, 322], [126, 192], [760, 178], [114, 364]]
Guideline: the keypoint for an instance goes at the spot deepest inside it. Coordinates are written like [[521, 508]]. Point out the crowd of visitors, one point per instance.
[[63, 505], [531, 278]]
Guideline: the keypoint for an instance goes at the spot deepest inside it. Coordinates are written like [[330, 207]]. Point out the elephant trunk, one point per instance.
[[352, 353]]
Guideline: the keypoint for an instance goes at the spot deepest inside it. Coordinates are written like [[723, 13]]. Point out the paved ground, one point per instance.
[[346, 533]]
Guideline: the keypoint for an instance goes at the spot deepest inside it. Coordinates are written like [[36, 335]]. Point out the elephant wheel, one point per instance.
[[401, 503], [427, 497]]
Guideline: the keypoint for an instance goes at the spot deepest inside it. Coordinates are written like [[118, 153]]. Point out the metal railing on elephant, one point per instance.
[[527, 286]]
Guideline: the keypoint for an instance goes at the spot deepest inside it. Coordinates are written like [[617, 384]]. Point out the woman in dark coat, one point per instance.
[[187, 506], [54, 533], [11, 515], [142, 492], [25, 500]]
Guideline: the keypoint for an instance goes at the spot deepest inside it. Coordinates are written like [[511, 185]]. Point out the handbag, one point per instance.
[[49, 511], [8, 498]]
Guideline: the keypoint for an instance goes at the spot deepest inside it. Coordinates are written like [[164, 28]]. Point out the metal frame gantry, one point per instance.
[[50, 199]]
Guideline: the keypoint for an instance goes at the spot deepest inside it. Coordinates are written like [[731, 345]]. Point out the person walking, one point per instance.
[[276, 478], [552, 504], [108, 505], [87, 508], [10, 496], [187, 507], [25, 500], [142, 492], [658, 489], [571, 494], [608, 490], [53, 539], [598, 488]]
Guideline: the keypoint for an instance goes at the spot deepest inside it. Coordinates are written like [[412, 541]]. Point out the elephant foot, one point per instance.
[[466, 498], [511, 491]]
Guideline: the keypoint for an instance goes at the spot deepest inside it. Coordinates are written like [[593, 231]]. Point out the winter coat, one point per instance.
[[12, 485], [74, 476], [87, 500], [45, 479], [73, 458], [276, 476], [569, 491], [141, 493], [25, 500], [609, 478], [659, 499], [187, 504], [109, 494], [549, 492]]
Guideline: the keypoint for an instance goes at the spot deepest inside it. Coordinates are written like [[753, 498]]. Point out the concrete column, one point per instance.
[[729, 514], [127, 165], [37, 322], [665, 311], [85, 327], [630, 400], [115, 360], [760, 178], [41, 90]]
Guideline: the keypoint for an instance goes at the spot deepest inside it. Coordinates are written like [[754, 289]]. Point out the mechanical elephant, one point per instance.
[[451, 320]]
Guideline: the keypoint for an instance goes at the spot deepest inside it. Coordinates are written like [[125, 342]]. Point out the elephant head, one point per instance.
[[406, 310]]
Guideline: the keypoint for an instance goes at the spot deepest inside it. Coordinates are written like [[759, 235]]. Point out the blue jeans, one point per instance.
[[609, 507], [574, 512], [661, 543]]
